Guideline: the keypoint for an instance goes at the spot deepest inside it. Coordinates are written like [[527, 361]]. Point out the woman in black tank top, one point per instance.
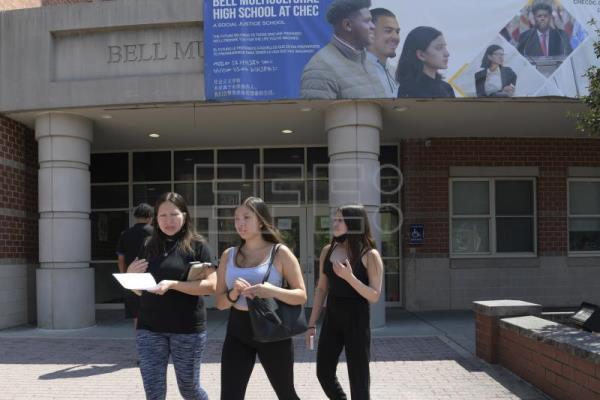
[[350, 278]]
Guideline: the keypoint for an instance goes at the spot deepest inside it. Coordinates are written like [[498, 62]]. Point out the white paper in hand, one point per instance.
[[136, 281]]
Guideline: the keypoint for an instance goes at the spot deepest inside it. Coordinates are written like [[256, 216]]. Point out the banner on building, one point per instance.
[[286, 49]]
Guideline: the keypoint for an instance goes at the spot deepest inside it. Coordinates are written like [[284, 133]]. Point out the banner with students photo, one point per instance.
[[262, 50]]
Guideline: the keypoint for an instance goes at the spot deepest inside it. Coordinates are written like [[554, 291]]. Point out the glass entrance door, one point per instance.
[[305, 231], [318, 235], [291, 222]]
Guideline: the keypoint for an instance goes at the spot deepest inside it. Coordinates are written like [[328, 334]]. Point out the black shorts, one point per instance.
[[132, 304]]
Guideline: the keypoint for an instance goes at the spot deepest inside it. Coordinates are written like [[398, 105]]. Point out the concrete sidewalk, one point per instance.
[[426, 355]]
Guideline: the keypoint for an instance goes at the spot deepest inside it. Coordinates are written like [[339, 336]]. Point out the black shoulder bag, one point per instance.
[[273, 320]]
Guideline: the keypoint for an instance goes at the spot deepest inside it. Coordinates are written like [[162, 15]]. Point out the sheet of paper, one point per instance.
[[136, 281]]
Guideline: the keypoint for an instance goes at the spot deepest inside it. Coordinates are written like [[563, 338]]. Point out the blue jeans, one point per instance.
[[185, 350]]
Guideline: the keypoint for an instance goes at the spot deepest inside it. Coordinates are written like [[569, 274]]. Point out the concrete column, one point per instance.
[[353, 130], [65, 281]]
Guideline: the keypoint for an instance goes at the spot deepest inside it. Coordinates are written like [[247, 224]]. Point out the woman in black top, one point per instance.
[[424, 53], [350, 278], [494, 79], [172, 317]]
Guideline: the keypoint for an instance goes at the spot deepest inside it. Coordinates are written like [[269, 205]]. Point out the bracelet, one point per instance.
[[227, 294]]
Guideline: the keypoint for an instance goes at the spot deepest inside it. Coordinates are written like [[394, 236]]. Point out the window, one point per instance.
[[492, 216], [317, 171], [110, 196], [154, 166], [238, 164], [391, 179], [283, 163], [195, 164], [149, 193], [112, 167], [106, 230], [584, 215]]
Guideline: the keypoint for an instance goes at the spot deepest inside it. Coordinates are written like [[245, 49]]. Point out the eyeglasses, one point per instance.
[[498, 54]]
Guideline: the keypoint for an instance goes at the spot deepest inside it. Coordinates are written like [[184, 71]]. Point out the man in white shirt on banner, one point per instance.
[[383, 48]]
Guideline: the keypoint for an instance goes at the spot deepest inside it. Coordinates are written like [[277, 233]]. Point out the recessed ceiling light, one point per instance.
[[287, 131], [106, 116], [154, 135], [400, 108], [306, 109]]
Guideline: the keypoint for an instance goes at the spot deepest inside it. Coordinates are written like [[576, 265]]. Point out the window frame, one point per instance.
[[578, 253], [493, 244]]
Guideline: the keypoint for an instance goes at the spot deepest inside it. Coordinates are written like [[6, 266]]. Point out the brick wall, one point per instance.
[[18, 223], [426, 169], [551, 369], [18, 192]]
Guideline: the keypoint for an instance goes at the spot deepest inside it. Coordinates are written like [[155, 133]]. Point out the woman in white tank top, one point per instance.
[[239, 276]]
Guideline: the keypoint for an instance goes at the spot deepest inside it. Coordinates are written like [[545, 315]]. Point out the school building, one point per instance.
[[103, 106]]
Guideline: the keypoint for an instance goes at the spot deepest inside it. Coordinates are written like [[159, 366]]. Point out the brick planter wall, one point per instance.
[[486, 336], [545, 365], [559, 360]]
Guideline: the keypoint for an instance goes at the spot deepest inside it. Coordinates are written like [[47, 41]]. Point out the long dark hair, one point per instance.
[[485, 61], [409, 65], [268, 230], [359, 237], [186, 236]]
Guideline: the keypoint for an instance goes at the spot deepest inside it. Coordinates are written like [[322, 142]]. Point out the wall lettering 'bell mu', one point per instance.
[[148, 52]]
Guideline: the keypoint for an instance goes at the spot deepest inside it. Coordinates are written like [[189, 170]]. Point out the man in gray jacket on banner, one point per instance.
[[340, 70]]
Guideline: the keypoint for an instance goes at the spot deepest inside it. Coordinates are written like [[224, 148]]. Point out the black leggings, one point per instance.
[[346, 325], [239, 355]]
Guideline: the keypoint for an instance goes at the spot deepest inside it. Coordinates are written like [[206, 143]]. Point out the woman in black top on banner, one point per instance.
[[350, 278], [172, 317], [423, 55], [495, 80]]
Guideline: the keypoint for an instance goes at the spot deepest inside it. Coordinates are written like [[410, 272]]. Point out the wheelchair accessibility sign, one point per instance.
[[416, 234]]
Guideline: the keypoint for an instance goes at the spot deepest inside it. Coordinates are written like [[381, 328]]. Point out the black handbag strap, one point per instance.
[[273, 252]]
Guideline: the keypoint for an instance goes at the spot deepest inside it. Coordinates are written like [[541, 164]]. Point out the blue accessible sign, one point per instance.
[[416, 234]]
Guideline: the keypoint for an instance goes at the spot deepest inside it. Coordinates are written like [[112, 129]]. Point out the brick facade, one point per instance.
[[425, 165], [18, 192]]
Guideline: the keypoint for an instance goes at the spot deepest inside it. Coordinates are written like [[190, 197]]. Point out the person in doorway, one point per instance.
[[495, 80], [240, 273], [172, 317], [387, 39], [128, 247], [424, 53], [350, 277]]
